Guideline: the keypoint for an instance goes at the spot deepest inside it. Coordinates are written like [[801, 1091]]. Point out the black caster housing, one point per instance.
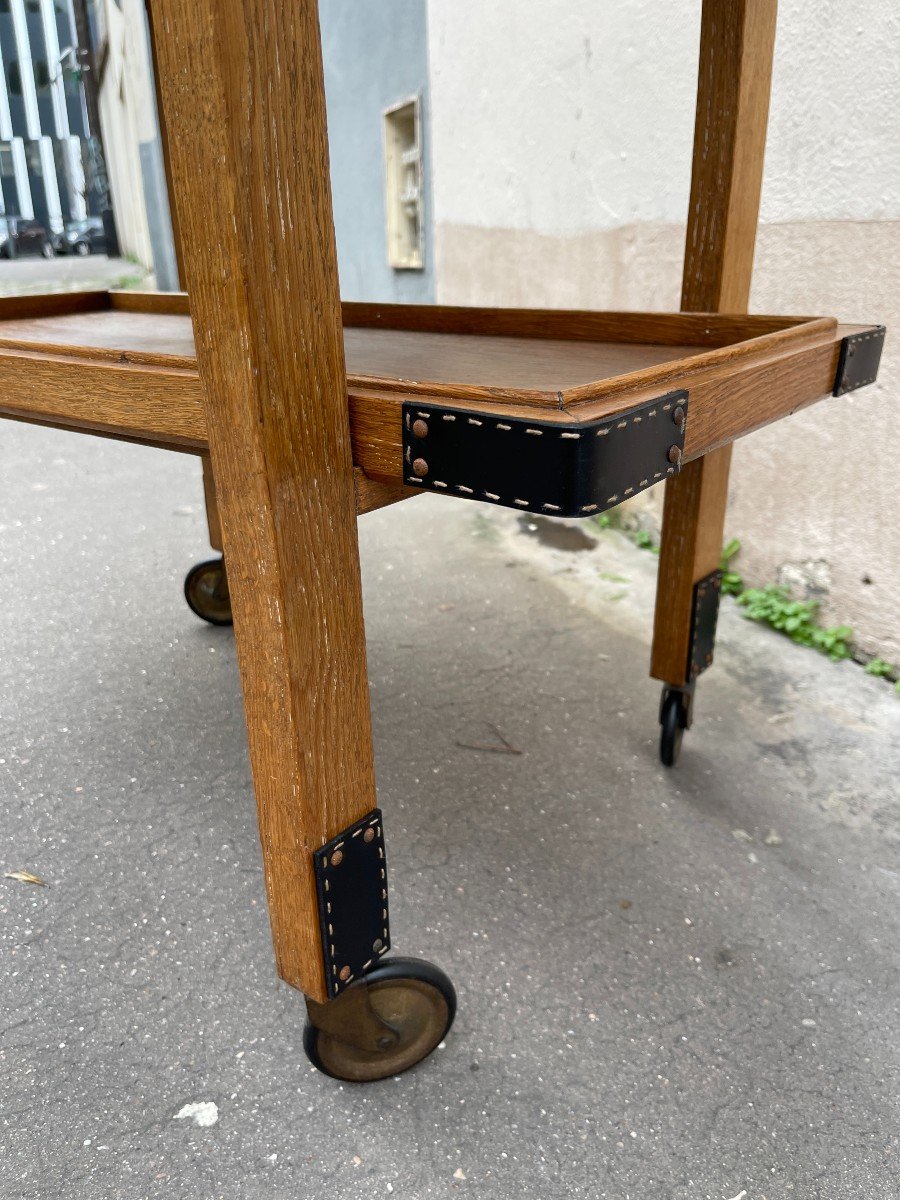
[[383, 1024], [206, 591], [675, 714]]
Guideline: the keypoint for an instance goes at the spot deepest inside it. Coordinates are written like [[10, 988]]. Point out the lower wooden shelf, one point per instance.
[[123, 364]]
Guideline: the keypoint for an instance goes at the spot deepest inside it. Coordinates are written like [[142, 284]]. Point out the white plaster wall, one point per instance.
[[127, 116], [564, 116], [555, 115], [561, 136]]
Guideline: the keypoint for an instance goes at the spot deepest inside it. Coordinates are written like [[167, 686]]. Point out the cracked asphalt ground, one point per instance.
[[672, 984]]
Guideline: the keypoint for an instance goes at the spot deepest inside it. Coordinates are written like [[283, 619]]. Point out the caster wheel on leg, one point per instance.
[[674, 716], [206, 591], [383, 1024]]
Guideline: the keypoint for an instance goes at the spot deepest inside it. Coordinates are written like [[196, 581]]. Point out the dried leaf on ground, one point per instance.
[[25, 877]]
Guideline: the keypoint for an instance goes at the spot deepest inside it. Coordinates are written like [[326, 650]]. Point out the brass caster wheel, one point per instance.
[[383, 1024], [674, 718], [206, 591]]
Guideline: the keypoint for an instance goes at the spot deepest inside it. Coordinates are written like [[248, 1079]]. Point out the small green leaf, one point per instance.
[[879, 668]]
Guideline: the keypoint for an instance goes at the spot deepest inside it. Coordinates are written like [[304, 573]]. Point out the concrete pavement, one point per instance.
[[672, 984], [30, 275]]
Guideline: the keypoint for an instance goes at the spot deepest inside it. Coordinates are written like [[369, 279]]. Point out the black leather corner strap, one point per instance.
[[704, 618], [560, 470], [351, 883], [859, 360]]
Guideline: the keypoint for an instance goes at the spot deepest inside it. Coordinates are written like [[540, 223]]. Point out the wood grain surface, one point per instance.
[[155, 330], [243, 96], [213, 520], [734, 82], [150, 395]]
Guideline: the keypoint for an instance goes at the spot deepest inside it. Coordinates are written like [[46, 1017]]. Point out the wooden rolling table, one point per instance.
[[308, 411]]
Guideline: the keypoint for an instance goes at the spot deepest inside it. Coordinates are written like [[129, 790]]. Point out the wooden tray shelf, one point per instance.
[[123, 364]]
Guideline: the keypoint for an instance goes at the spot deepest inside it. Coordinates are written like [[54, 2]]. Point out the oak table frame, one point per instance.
[[308, 412]]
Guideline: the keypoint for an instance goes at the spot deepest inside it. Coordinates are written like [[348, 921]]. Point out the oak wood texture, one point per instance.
[[135, 369], [298, 419], [213, 521], [382, 340], [737, 41], [243, 95], [663, 329], [376, 493]]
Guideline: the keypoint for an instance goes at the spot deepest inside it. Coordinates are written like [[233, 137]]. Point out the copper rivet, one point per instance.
[[337, 858], [420, 428], [369, 835], [344, 973], [678, 416], [674, 454], [377, 944], [420, 467]]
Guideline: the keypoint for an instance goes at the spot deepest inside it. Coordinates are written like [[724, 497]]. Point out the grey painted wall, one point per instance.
[[375, 54]]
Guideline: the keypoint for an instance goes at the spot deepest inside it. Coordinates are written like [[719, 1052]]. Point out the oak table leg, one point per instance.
[[206, 584], [736, 46], [212, 505], [244, 102], [247, 139]]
